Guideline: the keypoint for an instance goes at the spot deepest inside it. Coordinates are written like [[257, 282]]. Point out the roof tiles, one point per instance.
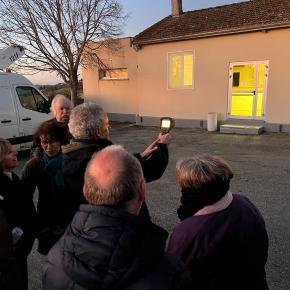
[[234, 18]]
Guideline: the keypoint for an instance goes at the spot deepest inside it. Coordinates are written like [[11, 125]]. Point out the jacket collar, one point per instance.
[[220, 205], [78, 144]]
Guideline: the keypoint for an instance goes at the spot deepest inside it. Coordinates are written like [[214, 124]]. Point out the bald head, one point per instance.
[[107, 167], [113, 177]]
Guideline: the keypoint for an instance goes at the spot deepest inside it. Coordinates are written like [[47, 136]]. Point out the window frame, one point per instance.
[[180, 53], [113, 78], [32, 89]]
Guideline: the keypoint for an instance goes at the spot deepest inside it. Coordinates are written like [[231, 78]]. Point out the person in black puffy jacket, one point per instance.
[[89, 126], [107, 245]]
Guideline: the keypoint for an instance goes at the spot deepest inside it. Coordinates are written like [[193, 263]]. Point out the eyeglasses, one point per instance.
[[49, 141]]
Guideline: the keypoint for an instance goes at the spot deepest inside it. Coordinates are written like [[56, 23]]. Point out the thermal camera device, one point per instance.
[[166, 124]]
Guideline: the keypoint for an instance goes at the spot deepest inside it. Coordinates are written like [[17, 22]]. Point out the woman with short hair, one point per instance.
[[18, 207], [222, 236], [44, 173]]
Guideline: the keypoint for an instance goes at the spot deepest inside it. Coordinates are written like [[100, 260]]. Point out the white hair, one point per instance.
[[59, 98], [85, 119]]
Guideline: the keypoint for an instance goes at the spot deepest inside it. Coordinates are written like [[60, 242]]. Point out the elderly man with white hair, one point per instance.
[[90, 128], [61, 108], [107, 245]]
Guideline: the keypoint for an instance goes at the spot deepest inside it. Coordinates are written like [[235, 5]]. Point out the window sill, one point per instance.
[[180, 88], [114, 79]]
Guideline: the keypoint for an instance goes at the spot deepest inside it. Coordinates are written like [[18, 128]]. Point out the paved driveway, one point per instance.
[[262, 172]]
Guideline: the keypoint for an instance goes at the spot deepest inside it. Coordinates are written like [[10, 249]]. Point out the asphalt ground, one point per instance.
[[261, 166]]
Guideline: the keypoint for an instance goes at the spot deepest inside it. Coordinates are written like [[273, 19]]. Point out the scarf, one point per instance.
[[194, 199], [52, 167]]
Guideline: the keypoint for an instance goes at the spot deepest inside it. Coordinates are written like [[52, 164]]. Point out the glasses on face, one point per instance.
[[45, 142]]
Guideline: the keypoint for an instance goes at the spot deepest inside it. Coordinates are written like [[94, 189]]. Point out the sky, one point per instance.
[[141, 15]]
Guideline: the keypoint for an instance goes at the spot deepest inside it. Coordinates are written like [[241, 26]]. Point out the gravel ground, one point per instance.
[[262, 172]]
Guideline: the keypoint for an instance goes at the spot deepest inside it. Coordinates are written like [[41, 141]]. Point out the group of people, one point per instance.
[[92, 222]]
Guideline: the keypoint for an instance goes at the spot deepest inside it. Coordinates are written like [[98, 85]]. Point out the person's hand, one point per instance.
[[165, 139]]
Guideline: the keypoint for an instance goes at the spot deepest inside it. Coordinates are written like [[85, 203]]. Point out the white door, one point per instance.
[[8, 116], [248, 89]]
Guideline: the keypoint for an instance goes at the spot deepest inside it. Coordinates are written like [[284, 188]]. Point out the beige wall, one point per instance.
[[212, 58], [115, 96], [151, 97]]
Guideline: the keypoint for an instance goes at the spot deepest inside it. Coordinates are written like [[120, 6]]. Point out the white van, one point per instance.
[[22, 109]]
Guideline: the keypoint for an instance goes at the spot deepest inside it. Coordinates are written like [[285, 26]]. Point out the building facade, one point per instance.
[[231, 59]]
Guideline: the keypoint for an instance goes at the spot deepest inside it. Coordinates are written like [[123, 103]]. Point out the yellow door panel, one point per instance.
[[242, 104]]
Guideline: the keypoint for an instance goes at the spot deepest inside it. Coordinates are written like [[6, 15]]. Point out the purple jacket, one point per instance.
[[226, 249]]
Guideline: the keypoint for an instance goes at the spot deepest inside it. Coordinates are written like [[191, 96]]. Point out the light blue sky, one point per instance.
[[142, 14]]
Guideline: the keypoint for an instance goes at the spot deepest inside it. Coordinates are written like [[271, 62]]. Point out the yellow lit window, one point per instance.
[[113, 74], [180, 70]]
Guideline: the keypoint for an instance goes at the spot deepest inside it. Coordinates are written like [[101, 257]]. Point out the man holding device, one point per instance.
[[89, 125]]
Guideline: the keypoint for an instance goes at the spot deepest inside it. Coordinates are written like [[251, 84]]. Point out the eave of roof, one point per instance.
[[264, 28], [243, 17]]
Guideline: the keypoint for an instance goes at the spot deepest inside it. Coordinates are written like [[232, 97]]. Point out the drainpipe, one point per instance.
[[176, 6]]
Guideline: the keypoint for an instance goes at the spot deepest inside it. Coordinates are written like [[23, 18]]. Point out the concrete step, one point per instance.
[[248, 122], [241, 129]]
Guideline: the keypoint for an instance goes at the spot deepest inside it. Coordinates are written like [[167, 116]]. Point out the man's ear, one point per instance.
[[85, 191], [97, 132], [142, 191]]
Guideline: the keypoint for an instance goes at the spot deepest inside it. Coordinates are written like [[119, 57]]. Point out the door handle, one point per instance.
[[254, 92], [26, 119], [6, 121]]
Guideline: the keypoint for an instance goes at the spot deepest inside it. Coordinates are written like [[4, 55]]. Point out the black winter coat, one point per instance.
[[18, 207], [52, 212], [10, 276], [107, 248], [17, 204], [78, 154]]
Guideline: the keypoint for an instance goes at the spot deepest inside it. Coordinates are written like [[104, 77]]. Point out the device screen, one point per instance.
[[165, 124]]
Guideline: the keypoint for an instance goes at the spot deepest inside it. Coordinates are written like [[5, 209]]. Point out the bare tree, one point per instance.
[[56, 33]]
